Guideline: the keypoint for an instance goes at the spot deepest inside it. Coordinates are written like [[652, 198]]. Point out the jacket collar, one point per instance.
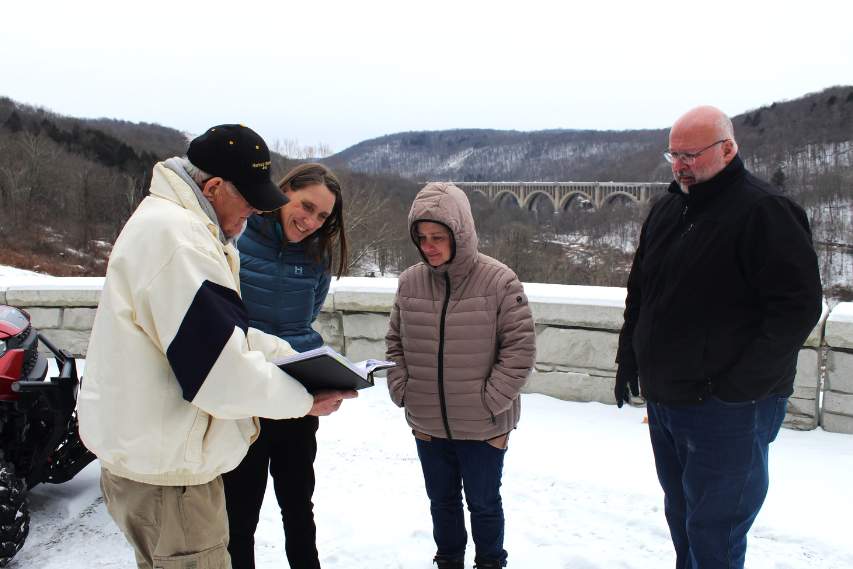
[[168, 185], [705, 192]]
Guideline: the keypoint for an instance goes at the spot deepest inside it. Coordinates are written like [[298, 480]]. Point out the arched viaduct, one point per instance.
[[561, 195]]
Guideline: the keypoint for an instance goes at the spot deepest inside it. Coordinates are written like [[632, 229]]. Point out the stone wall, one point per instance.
[[837, 414], [62, 309], [576, 335]]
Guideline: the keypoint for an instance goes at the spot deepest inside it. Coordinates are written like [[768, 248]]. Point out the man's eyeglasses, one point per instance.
[[688, 157]]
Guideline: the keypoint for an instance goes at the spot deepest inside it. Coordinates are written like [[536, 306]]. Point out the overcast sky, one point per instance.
[[339, 72]]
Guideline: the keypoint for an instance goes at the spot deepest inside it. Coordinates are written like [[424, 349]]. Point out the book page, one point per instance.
[[322, 350], [370, 365]]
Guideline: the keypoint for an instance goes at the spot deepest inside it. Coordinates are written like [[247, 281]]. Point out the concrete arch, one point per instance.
[[571, 196], [532, 196], [595, 195], [501, 198], [617, 195], [481, 192]]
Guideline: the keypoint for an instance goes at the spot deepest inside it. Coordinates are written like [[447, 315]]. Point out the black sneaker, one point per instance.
[[487, 564], [446, 563]]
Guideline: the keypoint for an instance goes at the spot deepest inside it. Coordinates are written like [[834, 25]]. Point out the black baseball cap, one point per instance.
[[238, 154]]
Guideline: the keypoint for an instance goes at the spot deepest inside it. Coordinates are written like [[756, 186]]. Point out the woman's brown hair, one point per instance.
[[321, 244]]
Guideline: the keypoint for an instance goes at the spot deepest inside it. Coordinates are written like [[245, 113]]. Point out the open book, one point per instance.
[[324, 368]]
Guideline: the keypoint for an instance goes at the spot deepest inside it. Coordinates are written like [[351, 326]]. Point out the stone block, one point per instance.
[[836, 423], [45, 318], [806, 407], [75, 341], [580, 315], [800, 422], [364, 301], [816, 336], [808, 372], [595, 307], [805, 392], [328, 324], [838, 403], [361, 349], [839, 326], [577, 348], [328, 303], [78, 318], [64, 295], [361, 325], [571, 386], [839, 371], [362, 294]]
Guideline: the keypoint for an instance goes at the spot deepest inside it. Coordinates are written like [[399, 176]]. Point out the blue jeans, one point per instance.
[[449, 466], [711, 460]]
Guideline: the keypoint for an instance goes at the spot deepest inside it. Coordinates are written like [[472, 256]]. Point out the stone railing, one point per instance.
[[576, 337], [62, 309], [837, 412]]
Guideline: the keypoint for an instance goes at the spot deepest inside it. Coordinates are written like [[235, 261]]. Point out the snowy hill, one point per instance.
[[810, 134]]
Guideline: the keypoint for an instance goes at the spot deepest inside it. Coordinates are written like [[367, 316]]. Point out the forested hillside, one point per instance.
[[68, 185]]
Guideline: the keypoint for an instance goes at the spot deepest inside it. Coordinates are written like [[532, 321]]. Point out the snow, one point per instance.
[[11, 277], [536, 292], [364, 284], [46, 282], [843, 312], [14, 274], [575, 294], [579, 491]]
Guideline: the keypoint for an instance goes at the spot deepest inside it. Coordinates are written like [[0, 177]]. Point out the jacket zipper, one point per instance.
[[684, 220], [688, 229], [441, 400]]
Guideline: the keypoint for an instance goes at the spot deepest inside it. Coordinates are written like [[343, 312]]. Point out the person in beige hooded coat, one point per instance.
[[462, 335]]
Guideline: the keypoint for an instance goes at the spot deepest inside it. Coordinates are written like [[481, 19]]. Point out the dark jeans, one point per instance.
[[449, 466], [711, 460], [287, 448]]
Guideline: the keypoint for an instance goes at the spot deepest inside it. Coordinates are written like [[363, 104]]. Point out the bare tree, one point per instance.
[[367, 222]]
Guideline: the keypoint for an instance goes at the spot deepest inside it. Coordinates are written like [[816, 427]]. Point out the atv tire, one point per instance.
[[14, 513]]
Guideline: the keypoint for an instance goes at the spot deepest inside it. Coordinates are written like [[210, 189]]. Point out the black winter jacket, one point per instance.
[[723, 291]]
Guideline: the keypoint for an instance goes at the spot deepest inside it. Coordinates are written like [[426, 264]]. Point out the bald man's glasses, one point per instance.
[[688, 157]]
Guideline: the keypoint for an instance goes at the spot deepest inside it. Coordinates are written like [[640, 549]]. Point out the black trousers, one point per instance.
[[287, 448]]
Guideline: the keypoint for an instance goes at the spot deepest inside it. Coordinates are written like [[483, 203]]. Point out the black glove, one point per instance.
[[625, 380]]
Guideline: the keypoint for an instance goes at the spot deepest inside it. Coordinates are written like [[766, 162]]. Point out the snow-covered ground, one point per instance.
[[579, 491], [12, 273]]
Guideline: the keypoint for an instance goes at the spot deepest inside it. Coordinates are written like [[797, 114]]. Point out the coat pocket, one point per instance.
[[213, 558], [195, 439], [485, 406]]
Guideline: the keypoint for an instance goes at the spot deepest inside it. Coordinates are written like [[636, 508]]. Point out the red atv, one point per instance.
[[39, 441]]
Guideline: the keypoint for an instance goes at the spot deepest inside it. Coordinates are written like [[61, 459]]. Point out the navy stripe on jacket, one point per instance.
[[208, 324]]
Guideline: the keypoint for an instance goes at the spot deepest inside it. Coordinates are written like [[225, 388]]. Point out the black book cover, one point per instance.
[[325, 372]]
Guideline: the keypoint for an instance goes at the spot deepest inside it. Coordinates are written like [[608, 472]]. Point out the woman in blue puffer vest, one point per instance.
[[286, 263]]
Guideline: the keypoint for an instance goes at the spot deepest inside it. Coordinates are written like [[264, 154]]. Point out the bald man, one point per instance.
[[723, 291]]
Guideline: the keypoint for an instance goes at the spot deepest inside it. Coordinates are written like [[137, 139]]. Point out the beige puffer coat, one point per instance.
[[461, 334]]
